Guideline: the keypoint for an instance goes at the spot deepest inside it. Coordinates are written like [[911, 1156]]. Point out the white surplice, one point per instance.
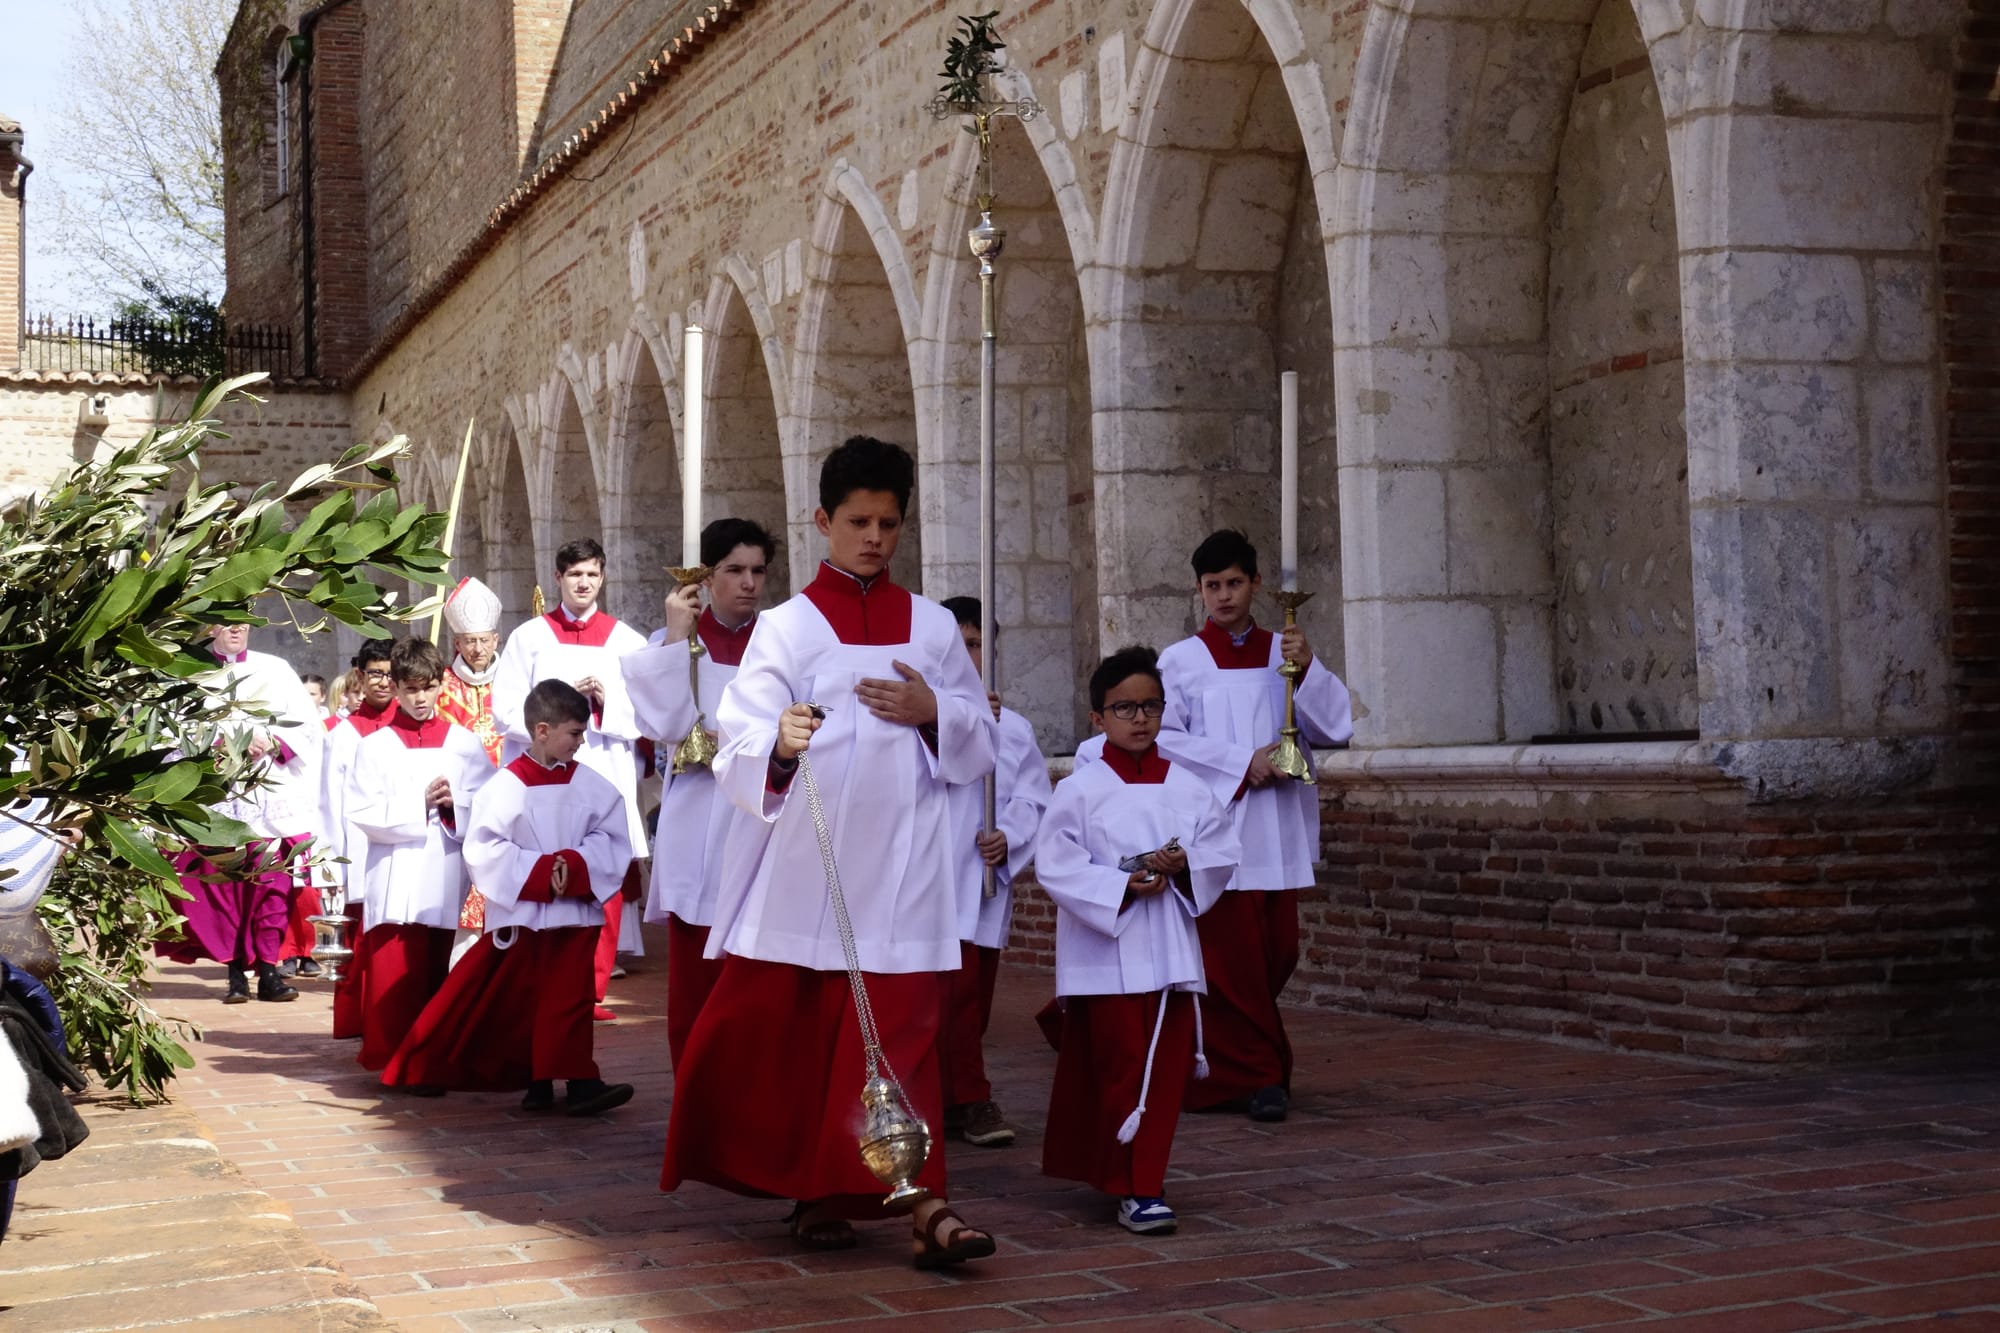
[[1096, 819], [884, 789], [408, 862], [286, 802], [515, 825], [533, 654], [1278, 826], [696, 823], [1020, 794]]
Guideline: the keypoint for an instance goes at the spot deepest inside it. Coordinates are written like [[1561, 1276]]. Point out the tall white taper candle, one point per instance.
[[1288, 481], [694, 422]]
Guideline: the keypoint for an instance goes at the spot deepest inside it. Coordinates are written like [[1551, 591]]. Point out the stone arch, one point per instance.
[[855, 370], [643, 505], [1214, 279], [1045, 542], [743, 468], [1453, 384], [573, 489], [509, 564]]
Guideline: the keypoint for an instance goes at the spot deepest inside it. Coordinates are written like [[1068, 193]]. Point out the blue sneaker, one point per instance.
[[1146, 1216]]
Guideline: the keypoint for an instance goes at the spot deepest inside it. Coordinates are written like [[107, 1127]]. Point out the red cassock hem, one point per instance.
[[690, 978], [505, 1017], [968, 1011], [406, 965], [1098, 1074], [767, 1098], [1249, 949], [299, 933], [348, 992]]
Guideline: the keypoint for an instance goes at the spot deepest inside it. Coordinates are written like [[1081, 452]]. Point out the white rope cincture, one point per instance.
[[1200, 1054], [1130, 1129]]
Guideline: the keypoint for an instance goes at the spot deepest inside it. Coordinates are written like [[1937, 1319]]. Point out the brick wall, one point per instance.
[[1684, 927], [339, 165], [259, 211], [1971, 281], [11, 258]]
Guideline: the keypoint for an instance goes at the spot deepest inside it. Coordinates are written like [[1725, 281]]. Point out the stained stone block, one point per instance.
[[1013, 536], [1248, 211], [1155, 619], [1923, 18], [1048, 596], [1905, 293], [1496, 289], [1763, 305], [1219, 298], [1893, 669], [1143, 523], [1426, 131], [1203, 104], [1050, 511], [1527, 673], [1415, 406], [1498, 523], [1425, 672], [1524, 96], [1202, 366], [1392, 531], [1799, 15], [1175, 182], [1764, 623], [1761, 432], [1839, 75], [1829, 184], [1483, 204], [1903, 434]]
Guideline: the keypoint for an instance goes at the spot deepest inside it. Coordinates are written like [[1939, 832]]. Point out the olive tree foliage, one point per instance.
[[136, 156], [107, 709]]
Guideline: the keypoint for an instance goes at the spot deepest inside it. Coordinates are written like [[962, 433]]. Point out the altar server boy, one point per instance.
[[410, 785], [696, 825], [1021, 793], [547, 847], [1223, 683], [1132, 850]]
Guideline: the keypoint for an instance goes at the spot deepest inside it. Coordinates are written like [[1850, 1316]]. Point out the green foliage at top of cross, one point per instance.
[[107, 593], [969, 57]]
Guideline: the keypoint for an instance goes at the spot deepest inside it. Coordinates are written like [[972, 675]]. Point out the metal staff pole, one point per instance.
[[451, 522]]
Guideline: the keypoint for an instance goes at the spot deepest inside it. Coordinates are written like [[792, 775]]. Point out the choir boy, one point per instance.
[[1133, 849], [1021, 791], [409, 789], [547, 845], [1223, 683], [370, 709], [875, 681], [695, 824]]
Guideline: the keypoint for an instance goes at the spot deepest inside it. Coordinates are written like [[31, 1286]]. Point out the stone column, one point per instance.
[[1808, 169]]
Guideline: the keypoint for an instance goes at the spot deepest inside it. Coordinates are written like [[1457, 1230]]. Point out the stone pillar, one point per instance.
[[14, 169], [1808, 172]]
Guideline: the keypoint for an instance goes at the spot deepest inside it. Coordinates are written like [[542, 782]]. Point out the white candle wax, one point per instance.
[[1288, 481], [694, 420]]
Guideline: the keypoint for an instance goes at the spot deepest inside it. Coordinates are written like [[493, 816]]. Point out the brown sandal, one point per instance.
[[962, 1244], [824, 1233]]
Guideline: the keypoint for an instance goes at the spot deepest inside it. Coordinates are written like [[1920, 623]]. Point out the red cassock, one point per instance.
[[690, 981], [1249, 949], [968, 1013], [406, 966], [1099, 1070], [506, 1016], [780, 1117]]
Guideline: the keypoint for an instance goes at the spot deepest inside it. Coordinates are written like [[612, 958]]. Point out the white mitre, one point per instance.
[[472, 608]]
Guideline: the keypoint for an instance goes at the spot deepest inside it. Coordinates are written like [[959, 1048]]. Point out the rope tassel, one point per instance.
[[1200, 1053], [1130, 1129]]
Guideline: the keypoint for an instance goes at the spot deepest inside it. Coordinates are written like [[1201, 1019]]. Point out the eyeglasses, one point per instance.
[[378, 675], [1128, 710]]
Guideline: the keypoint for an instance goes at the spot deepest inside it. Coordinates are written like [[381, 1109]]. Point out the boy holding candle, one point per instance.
[[1021, 793], [546, 843], [1134, 849], [409, 787], [1223, 683]]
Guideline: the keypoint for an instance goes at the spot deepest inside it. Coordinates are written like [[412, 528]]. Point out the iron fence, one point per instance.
[[154, 346]]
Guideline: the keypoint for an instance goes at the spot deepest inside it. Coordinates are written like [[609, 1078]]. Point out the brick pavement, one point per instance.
[[1428, 1181]]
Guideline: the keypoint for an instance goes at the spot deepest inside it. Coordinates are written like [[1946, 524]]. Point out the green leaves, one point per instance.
[[970, 56], [240, 577]]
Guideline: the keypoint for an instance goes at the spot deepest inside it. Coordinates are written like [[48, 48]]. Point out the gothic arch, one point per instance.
[[509, 565], [642, 502], [744, 465], [572, 487]]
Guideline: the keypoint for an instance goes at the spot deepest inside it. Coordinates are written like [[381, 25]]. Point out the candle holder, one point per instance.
[[1290, 758], [697, 749], [330, 925]]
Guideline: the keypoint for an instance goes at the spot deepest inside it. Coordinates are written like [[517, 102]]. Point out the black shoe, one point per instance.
[[413, 1089], [239, 986], [271, 986], [541, 1096], [593, 1096], [1268, 1105], [306, 967], [289, 968]]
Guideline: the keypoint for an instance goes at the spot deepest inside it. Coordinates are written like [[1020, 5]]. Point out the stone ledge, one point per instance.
[[1635, 766]]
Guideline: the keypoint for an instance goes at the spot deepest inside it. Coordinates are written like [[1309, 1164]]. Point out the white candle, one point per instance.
[[693, 423], [1288, 481]]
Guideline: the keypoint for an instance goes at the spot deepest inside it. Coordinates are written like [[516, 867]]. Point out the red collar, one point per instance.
[[426, 735], [592, 633], [725, 645], [367, 719], [1253, 655], [1149, 769], [876, 612], [533, 774]]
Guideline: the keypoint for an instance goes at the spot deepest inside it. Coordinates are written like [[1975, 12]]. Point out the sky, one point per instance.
[[32, 61]]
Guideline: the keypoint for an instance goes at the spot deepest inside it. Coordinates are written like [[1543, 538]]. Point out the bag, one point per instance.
[[26, 944]]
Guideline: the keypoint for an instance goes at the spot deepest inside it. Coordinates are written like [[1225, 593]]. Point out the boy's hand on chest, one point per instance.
[[908, 701]]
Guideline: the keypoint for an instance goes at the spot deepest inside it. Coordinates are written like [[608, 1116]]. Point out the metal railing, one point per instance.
[[144, 345]]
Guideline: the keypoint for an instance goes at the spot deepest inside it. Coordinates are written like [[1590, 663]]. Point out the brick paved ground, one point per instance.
[[1428, 1181]]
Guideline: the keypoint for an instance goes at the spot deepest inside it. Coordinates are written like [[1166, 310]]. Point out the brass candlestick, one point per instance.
[[330, 929], [697, 749], [1289, 758]]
